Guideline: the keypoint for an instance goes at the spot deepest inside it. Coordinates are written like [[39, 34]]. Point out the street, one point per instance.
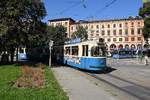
[[130, 76]]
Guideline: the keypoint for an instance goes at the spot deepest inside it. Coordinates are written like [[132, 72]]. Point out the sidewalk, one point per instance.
[[79, 87]]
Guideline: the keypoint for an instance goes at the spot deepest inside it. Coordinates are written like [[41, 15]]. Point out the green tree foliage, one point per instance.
[[57, 34], [20, 23], [40, 53], [80, 33], [144, 12]]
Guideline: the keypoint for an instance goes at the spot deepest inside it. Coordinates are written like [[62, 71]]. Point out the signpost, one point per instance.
[[50, 48]]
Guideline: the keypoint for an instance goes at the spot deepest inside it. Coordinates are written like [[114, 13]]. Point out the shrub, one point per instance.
[[31, 77]]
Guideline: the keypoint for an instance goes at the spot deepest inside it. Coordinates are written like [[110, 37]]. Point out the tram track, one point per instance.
[[129, 81], [131, 88]]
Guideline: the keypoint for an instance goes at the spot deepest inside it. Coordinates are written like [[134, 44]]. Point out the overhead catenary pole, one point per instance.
[[50, 48]]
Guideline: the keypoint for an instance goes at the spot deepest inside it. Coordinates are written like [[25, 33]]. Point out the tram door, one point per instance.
[[84, 56]]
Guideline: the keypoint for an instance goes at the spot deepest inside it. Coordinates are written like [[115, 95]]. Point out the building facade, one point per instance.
[[66, 22], [117, 33]]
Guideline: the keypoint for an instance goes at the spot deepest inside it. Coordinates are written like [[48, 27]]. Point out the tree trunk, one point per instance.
[[17, 55], [12, 56]]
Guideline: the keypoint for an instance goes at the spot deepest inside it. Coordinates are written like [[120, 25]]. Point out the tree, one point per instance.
[[20, 23], [144, 12], [57, 34], [80, 33]]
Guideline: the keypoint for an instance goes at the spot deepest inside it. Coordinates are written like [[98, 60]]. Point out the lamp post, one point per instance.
[[50, 48]]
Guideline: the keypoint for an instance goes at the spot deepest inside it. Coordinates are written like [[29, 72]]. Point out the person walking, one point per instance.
[[146, 59]]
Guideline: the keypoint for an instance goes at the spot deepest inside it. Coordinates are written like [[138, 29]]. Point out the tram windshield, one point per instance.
[[98, 51]]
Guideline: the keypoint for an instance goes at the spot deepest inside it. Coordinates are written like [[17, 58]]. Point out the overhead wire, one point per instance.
[[81, 2], [107, 5]]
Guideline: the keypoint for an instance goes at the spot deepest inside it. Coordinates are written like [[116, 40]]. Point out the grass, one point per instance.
[[9, 74]]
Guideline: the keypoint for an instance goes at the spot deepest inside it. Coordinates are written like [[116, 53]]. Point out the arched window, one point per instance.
[[112, 46], [127, 46], [133, 46], [120, 46], [139, 46]]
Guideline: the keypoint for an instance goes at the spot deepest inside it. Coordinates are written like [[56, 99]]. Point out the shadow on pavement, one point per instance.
[[104, 71]]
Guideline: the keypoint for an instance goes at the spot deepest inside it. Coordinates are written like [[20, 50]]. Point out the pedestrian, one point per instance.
[[146, 59]]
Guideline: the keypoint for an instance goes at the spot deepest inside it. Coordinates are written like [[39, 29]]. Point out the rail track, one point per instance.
[[131, 88]]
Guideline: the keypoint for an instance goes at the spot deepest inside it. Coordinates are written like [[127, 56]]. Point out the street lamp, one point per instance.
[[50, 48]]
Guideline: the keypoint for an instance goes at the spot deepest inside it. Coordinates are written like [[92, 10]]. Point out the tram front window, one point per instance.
[[97, 51], [67, 50]]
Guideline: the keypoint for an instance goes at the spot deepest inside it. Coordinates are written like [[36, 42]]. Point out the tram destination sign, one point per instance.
[[73, 41]]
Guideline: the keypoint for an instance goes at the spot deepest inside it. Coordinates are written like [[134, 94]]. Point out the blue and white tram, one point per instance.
[[88, 55]]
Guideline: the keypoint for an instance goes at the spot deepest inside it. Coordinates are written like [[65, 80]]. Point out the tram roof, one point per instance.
[[82, 42]]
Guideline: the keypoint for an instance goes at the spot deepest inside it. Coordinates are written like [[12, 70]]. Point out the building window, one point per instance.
[[97, 34], [120, 39], [86, 27], [126, 31], [91, 35], [139, 38], [126, 24], [114, 32], [120, 25], [92, 31], [108, 32], [108, 40], [132, 39], [132, 24], [113, 46], [132, 46], [102, 26], [120, 32], [114, 39], [139, 46], [57, 24], [91, 26], [139, 31], [97, 31], [127, 46], [52, 24], [126, 39], [139, 24], [114, 25], [120, 46], [103, 32], [108, 26], [66, 23], [132, 31], [97, 26], [71, 28]]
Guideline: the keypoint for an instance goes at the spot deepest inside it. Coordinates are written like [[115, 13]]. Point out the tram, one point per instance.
[[124, 53], [22, 56], [88, 55]]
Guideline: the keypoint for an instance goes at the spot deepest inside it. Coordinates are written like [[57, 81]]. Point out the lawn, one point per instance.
[[8, 75]]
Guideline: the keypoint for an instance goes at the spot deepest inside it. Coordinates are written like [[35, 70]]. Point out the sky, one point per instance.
[[91, 9]]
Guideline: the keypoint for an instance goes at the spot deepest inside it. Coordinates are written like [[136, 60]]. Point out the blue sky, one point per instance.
[[91, 9]]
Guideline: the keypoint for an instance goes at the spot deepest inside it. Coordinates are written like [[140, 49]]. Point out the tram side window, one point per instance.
[[67, 49], [84, 50], [75, 50]]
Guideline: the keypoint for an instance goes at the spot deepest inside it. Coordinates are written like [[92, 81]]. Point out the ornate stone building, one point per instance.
[[117, 33]]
